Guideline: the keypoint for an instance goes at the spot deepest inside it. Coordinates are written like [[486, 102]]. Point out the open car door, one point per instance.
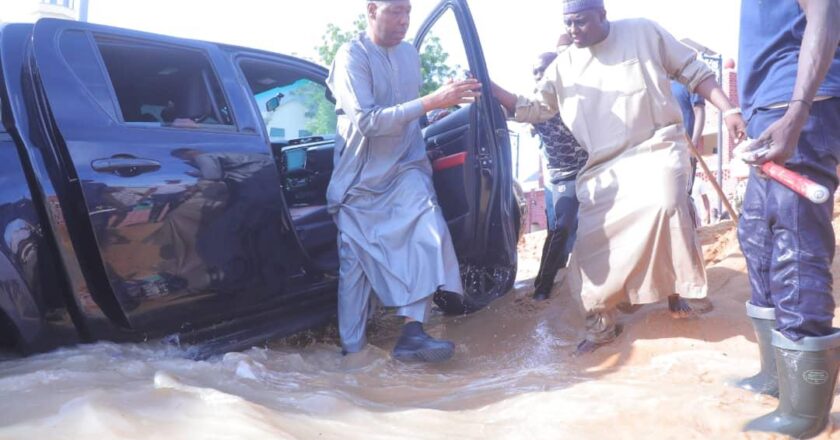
[[470, 147]]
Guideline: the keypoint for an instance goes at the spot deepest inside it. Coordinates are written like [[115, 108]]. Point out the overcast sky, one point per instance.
[[512, 32]]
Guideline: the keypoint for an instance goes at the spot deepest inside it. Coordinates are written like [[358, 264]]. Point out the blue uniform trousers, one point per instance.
[[787, 240]]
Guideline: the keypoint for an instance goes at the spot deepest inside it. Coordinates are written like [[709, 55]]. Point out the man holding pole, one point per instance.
[[789, 80], [636, 241]]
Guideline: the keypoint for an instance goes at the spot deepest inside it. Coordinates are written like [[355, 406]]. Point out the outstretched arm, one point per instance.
[[711, 91], [681, 63], [351, 81], [505, 98]]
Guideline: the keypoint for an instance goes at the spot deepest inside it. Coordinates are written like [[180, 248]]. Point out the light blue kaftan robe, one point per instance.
[[393, 239]]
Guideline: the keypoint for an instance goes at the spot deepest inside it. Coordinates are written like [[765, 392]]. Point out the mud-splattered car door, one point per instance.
[[470, 147]]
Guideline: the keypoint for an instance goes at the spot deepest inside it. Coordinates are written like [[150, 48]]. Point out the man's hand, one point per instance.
[[783, 135], [505, 98], [736, 126], [451, 94]]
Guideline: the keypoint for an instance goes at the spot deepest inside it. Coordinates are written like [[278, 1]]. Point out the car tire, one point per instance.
[[482, 285], [521, 209]]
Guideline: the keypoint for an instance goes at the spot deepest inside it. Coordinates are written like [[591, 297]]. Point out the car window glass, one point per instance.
[[296, 108], [164, 86], [442, 54], [80, 54]]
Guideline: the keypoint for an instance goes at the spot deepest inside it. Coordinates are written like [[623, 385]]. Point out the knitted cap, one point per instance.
[[575, 6]]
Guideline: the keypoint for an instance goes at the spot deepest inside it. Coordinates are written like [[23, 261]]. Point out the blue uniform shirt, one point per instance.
[[771, 37], [687, 102]]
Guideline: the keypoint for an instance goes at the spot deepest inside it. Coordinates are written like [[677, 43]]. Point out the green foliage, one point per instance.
[[433, 58], [320, 113], [334, 37], [433, 65]]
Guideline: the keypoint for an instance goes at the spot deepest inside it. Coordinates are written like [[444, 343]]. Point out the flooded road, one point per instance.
[[512, 378]]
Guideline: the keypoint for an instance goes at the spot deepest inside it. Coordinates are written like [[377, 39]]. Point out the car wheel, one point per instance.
[[482, 285], [521, 209]]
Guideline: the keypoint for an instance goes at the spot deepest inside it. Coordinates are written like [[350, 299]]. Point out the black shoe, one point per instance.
[[415, 345], [807, 372], [766, 381]]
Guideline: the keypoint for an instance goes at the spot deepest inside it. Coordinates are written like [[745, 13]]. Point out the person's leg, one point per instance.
[[679, 307], [558, 242], [800, 267], [541, 283], [601, 329], [805, 345], [416, 311], [803, 237], [414, 345], [756, 241], [353, 301]]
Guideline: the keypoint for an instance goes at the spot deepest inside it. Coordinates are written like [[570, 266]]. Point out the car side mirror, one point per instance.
[[273, 103]]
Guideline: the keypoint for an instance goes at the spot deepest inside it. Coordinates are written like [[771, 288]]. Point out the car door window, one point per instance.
[[442, 55], [164, 86], [294, 106]]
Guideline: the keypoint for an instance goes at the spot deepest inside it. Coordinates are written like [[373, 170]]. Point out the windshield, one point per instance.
[[297, 110]]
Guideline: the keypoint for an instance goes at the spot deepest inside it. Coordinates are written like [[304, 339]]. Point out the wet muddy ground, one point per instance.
[[512, 378]]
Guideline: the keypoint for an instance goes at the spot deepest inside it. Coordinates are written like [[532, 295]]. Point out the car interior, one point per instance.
[[163, 86], [306, 163]]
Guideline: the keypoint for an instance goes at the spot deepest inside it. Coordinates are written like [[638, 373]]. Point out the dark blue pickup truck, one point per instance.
[[153, 186]]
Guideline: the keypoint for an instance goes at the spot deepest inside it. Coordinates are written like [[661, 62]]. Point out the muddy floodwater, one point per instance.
[[512, 378]]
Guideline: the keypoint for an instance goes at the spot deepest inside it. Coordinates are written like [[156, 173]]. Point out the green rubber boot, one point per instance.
[[807, 374], [766, 381]]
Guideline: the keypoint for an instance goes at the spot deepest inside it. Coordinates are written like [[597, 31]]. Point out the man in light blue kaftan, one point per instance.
[[393, 239]]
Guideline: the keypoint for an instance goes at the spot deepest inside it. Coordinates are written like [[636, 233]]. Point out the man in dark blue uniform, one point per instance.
[[789, 80]]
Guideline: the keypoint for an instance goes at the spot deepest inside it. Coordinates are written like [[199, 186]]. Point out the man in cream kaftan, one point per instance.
[[636, 239]]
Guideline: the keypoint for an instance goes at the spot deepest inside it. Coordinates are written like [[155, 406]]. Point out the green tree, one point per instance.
[[320, 112], [334, 37], [432, 56], [433, 65]]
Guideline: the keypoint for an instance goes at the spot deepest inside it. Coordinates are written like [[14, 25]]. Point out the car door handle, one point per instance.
[[125, 165]]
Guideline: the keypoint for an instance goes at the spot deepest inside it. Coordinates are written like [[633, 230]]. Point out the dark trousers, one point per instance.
[[787, 240], [561, 209]]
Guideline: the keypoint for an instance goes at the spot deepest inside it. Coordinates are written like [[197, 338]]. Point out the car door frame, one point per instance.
[[495, 229], [72, 198], [236, 55]]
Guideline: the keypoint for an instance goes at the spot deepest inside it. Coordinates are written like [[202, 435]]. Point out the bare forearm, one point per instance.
[[711, 91], [507, 99], [818, 46]]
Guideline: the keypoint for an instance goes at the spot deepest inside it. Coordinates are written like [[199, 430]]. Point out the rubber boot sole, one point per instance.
[[429, 355]]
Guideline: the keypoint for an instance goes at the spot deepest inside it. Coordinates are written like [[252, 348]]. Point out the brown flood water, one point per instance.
[[512, 378]]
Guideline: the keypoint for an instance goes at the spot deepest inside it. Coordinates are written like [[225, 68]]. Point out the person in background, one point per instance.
[[564, 158], [693, 109]]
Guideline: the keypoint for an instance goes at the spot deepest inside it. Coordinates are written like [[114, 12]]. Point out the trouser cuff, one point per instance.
[[807, 343], [768, 313], [417, 310]]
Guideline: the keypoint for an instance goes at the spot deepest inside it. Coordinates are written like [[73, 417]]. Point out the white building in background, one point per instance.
[[28, 11]]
